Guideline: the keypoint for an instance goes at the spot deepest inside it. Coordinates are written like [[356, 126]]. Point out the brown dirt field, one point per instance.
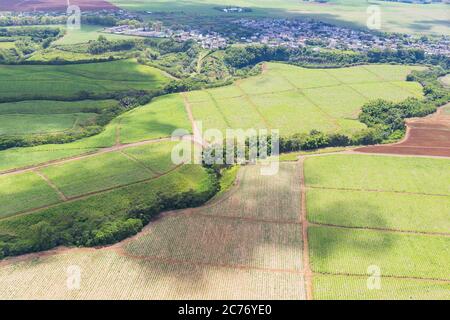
[[53, 5], [429, 136]]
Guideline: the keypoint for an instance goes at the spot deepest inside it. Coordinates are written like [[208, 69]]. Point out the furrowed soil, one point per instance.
[[198, 253], [429, 136]]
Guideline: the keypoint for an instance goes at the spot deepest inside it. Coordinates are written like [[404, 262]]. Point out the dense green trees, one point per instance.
[[240, 57], [103, 45]]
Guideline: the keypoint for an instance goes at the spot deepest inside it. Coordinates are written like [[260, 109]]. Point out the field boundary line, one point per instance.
[[308, 276], [378, 191], [83, 156], [117, 132], [139, 163], [90, 194], [302, 92], [253, 104], [382, 276], [348, 85], [61, 195], [122, 251], [219, 109], [389, 230]]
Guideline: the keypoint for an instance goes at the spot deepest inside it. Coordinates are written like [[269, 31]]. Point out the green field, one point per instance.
[[295, 100], [48, 107], [446, 80], [84, 176], [379, 192], [343, 251], [154, 157], [379, 210], [65, 82], [155, 120], [24, 192], [40, 124], [95, 174], [371, 193], [355, 288], [396, 17], [53, 54]]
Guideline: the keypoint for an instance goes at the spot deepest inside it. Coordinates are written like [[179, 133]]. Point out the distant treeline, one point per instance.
[[240, 57]]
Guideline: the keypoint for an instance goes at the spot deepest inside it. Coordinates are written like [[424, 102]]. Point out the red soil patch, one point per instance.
[[428, 136], [53, 5]]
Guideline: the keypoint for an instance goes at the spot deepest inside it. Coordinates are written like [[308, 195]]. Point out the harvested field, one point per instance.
[[53, 5], [222, 242], [189, 254], [108, 275], [280, 194], [429, 136]]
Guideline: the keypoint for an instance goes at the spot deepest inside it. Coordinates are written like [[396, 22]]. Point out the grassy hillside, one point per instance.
[[156, 120], [297, 100], [66, 82]]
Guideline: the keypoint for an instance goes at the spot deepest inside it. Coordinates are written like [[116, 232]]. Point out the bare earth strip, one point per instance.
[[305, 224]]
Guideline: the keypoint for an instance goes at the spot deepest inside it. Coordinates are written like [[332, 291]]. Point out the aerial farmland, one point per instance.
[[162, 150]]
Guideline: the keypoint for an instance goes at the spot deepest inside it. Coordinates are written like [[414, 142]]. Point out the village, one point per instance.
[[293, 33]]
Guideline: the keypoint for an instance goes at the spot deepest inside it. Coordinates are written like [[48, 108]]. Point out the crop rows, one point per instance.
[[298, 100]]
